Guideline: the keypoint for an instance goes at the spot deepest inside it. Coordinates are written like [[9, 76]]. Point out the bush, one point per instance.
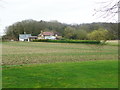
[[40, 40], [68, 41]]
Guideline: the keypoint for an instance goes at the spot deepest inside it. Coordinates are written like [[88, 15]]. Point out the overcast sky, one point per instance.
[[65, 11]]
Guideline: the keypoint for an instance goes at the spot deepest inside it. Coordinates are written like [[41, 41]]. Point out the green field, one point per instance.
[[53, 65]]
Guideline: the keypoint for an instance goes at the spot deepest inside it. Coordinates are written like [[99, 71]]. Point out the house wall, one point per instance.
[[40, 37], [50, 37], [21, 39], [24, 40], [47, 37]]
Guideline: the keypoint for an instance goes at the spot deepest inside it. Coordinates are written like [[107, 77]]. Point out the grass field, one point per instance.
[[16, 53], [42, 65]]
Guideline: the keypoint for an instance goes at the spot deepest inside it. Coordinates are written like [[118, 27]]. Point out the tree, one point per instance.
[[81, 34], [99, 35], [73, 33], [69, 33], [109, 9], [66, 30]]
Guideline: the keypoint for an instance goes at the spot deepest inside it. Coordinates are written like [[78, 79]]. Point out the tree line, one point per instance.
[[83, 31]]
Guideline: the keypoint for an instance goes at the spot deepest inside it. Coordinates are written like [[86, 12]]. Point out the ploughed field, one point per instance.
[[18, 53], [59, 65]]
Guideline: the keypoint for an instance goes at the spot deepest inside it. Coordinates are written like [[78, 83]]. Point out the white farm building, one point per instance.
[[24, 37]]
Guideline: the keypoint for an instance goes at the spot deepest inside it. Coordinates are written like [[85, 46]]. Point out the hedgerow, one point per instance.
[[68, 41]]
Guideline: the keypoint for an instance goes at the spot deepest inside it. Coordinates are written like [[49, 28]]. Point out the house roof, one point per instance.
[[47, 33], [24, 36], [33, 37]]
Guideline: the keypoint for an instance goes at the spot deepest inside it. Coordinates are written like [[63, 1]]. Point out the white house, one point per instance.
[[47, 35], [24, 37]]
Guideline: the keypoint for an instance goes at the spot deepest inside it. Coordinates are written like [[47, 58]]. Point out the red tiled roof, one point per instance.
[[47, 33]]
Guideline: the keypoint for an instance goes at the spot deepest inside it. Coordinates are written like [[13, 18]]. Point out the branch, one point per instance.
[[109, 10]]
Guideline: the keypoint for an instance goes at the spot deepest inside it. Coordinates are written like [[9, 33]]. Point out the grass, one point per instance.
[[59, 65], [87, 74], [113, 42], [17, 53]]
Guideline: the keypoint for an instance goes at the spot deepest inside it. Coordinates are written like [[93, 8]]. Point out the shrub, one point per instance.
[[40, 40], [68, 41]]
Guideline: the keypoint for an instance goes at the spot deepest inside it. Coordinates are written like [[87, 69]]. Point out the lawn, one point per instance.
[[59, 65], [87, 74]]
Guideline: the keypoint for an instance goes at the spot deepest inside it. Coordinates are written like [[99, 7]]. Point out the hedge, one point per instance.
[[68, 41]]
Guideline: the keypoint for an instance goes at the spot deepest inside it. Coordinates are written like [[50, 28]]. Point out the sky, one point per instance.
[[64, 11]]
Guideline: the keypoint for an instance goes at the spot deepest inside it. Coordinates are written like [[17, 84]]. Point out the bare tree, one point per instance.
[[108, 9]]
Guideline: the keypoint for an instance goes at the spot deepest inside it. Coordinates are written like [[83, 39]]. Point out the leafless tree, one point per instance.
[[108, 9]]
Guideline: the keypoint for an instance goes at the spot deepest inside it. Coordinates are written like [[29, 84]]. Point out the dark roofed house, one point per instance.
[[24, 37]]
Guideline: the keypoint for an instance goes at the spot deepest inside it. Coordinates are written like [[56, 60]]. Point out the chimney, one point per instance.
[[24, 32], [41, 31]]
